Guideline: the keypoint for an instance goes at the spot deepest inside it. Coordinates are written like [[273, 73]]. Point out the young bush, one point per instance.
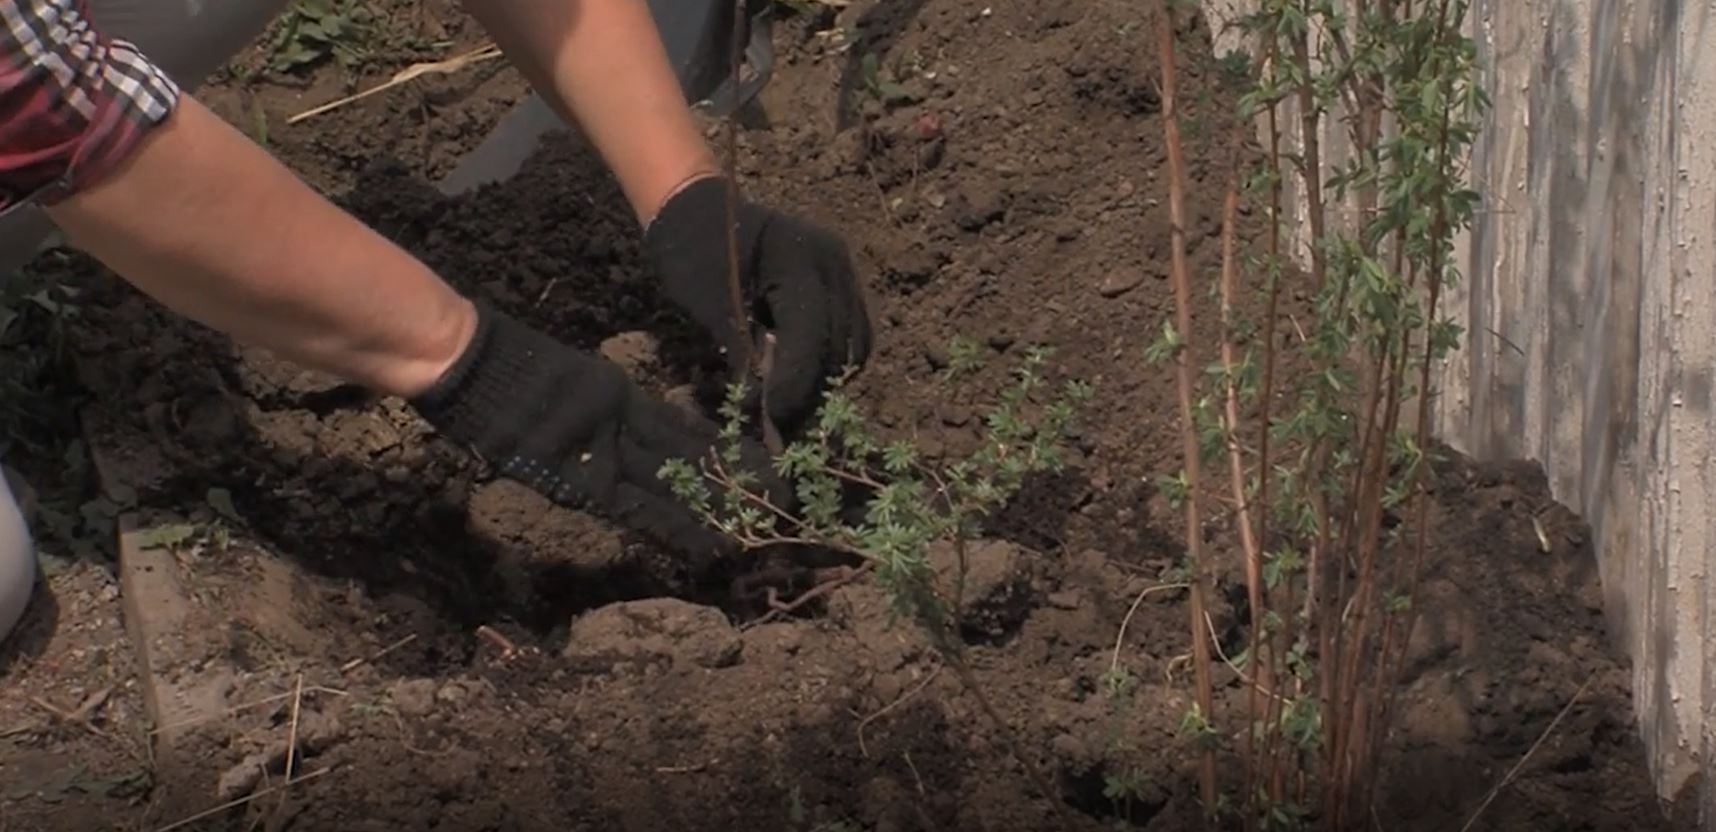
[[1329, 589]]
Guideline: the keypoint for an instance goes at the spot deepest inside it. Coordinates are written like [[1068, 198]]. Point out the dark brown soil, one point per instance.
[[646, 694]]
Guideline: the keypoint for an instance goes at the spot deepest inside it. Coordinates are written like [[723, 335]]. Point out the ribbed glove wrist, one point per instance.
[[572, 426]]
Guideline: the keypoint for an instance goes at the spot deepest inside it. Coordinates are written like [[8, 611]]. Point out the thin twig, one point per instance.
[[360, 661], [690, 769], [487, 51], [233, 804], [916, 777], [779, 609], [79, 716], [493, 636], [1566, 709], [889, 708], [292, 730], [1120, 639], [969, 680], [236, 709]]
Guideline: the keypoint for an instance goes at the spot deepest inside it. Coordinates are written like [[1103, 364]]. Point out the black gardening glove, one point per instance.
[[574, 428], [797, 277]]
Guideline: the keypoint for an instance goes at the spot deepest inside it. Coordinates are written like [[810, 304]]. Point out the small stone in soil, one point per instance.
[[1069, 748], [414, 697], [1120, 282], [635, 352], [977, 206], [936, 356], [451, 693], [1068, 599]]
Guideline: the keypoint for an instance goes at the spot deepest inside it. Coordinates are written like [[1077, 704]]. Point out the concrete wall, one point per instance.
[[1589, 304]]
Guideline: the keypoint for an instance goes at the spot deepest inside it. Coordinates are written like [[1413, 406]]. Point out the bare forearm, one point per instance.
[[210, 225], [601, 64]]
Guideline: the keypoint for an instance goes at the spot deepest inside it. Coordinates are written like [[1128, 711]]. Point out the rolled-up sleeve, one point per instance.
[[73, 102]]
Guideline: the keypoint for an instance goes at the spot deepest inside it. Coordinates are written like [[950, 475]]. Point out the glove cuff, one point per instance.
[[688, 202], [466, 400], [694, 179]]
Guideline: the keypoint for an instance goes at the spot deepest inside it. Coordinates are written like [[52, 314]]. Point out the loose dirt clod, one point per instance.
[[414, 697], [651, 633], [996, 588], [635, 352], [316, 733]]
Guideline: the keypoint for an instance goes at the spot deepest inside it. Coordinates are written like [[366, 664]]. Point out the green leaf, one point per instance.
[[166, 537], [220, 500]]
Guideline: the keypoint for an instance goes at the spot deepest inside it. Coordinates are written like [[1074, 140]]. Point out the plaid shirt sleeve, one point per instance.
[[73, 102]]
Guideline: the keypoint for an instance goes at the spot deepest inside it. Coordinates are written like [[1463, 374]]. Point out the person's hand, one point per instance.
[[572, 426], [798, 276]]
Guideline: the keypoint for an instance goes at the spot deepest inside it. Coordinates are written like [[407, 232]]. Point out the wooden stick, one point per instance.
[[493, 636], [233, 804], [1568, 708], [359, 661], [292, 730], [487, 51], [1120, 639], [185, 723]]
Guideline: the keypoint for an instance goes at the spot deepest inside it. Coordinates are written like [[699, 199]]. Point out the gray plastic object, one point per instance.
[[698, 35]]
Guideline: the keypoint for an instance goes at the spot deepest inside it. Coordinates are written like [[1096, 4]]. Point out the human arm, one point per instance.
[[601, 63], [191, 212], [235, 241]]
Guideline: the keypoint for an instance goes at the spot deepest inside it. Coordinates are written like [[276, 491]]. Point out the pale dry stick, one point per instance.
[[690, 769], [292, 730], [81, 715], [1215, 641], [1244, 677], [889, 708], [249, 798], [237, 709], [918, 778], [1497, 789], [487, 51], [360, 661], [494, 637], [1120, 640]]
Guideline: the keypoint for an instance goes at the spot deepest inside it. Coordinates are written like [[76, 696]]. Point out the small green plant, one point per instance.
[[315, 31], [1124, 788], [911, 503], [885, 88]]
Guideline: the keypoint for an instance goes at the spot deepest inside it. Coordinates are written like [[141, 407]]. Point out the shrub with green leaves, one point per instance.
[[909, 501]]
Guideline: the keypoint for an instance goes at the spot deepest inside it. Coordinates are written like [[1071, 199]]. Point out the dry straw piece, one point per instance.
[[487, 51]]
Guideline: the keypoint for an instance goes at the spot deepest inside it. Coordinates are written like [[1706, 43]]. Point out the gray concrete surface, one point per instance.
[[1590, 310]]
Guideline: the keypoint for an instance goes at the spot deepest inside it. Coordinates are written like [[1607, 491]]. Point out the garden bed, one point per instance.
[[648, 692]]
